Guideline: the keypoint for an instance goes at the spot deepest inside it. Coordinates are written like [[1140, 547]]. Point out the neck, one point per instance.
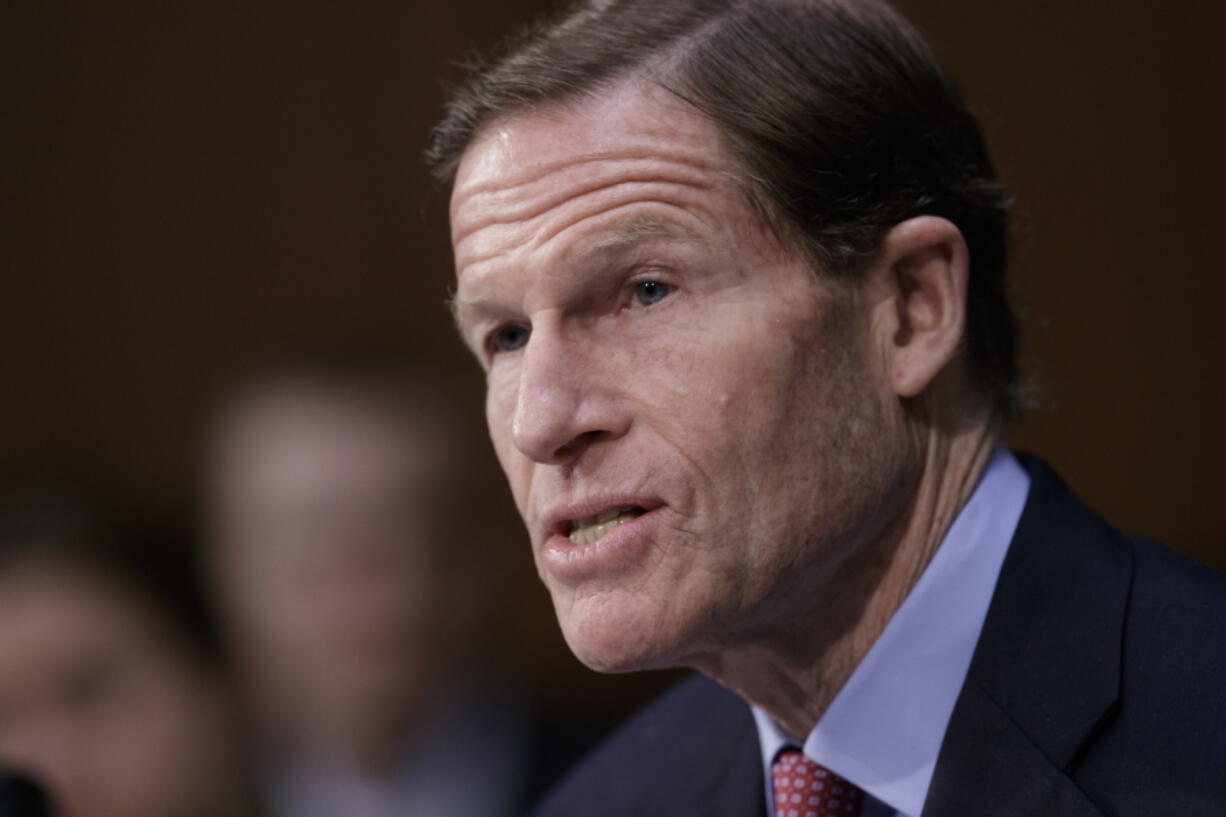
[[361, 729], [795, 673]]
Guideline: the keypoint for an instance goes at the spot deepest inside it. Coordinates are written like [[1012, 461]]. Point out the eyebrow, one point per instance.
[[638, 232], [630, 234]]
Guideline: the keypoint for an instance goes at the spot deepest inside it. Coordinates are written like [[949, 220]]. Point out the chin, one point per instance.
[[612, 633]]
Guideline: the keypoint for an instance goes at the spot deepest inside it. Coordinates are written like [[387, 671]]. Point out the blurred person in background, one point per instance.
[[111, 696], [21, 797], [354, 600]]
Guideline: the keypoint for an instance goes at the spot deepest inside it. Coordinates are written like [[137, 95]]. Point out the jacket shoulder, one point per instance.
[[693, 745], [1163, 750], [1169, 579], [1103, 661]]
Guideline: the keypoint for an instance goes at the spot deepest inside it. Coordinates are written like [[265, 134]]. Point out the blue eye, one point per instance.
[[510, 337], [651, 292]]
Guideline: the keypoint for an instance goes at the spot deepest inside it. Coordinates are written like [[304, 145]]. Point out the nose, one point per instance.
[[566, 400]]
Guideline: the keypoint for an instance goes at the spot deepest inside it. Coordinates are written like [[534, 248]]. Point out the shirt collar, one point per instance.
[[884, 729]]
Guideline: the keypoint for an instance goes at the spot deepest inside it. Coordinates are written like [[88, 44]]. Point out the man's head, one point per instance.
[[341, 567], [714, 259], [837, 121]]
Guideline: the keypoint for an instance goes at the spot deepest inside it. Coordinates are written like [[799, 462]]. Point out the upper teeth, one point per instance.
[[586, 531]]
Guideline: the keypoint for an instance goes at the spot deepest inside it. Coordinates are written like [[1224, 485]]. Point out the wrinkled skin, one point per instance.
[[647, 341]]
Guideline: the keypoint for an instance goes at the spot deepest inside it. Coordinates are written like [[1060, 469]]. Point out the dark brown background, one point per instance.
[[189, 186]]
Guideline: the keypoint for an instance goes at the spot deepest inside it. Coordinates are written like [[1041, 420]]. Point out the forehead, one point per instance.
[[522, 166], [49, 601], [297, 445]]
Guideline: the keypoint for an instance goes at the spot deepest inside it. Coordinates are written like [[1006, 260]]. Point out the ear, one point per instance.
[[920, 306]]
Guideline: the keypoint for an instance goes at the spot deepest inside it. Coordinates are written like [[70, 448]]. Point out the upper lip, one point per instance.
[[559, 520]]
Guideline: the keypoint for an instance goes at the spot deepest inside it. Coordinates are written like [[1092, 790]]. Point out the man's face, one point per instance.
[[693, 424], [332, 549]]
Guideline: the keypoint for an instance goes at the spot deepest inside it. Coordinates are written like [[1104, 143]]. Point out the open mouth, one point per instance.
[[586, 531]]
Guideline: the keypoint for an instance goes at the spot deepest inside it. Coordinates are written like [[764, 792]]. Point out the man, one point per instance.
[[735, 274], [354, 601]]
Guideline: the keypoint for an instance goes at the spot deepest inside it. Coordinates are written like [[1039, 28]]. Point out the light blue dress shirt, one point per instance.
[[884, 729]]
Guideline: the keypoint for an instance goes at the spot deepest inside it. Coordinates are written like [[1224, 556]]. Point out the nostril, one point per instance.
[[578, 443]]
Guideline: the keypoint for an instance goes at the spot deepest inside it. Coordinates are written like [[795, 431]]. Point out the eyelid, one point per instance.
[[655, 274], [490, 337], [651, 272], [488, 342]]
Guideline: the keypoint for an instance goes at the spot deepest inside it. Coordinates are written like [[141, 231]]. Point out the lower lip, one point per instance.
[[615, 552]]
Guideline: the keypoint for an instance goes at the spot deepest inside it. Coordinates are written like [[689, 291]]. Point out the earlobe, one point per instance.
[[925, 264]]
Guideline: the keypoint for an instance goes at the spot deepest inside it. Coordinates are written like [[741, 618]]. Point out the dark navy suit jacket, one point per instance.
[[1097, 689]]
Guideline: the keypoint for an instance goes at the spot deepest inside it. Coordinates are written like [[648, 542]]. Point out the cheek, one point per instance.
[[734, 392], [772, 417], [499, 416]]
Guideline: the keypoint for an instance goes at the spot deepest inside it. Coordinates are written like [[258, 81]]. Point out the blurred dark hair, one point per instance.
[[400, 376], [836, 113], [73, 528], [380, 380], [20, 796]]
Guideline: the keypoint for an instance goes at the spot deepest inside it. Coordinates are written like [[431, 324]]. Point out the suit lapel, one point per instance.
[[734, 786], [993, 769], [739, 790], [1045, 673], [704, 758]]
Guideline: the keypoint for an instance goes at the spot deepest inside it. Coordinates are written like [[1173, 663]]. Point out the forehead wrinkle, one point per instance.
[[594, 201], [681, 211], [639, 231], [667, 147], [505, 198]]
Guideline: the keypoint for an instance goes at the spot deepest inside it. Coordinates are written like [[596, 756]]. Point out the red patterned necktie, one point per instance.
[[804, 788]]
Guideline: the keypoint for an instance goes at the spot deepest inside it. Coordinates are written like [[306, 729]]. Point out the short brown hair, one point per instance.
[[840, 119]]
